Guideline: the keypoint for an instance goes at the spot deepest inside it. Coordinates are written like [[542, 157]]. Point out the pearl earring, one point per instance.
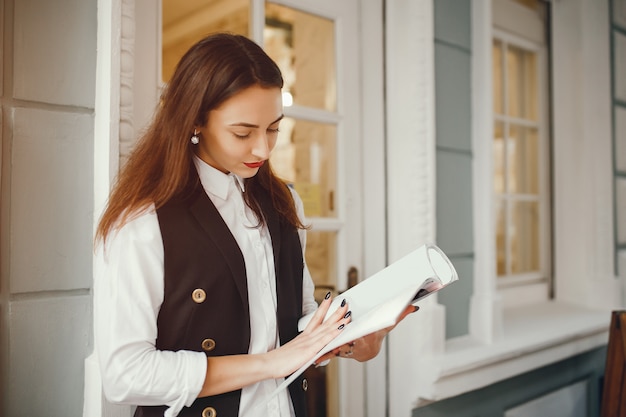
[[195, 138]]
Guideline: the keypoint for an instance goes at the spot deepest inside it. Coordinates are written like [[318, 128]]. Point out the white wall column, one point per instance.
[[106, 163], [374, 181], [485, 308], [410, 85], [583, 194]]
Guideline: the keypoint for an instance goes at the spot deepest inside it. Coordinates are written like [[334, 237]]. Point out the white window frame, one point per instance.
[[536, 284]]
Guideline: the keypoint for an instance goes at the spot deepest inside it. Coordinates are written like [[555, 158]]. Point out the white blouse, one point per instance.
[[128, 292]]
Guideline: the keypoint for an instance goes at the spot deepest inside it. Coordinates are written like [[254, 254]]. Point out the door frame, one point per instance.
[[374, 174], [349, 199]]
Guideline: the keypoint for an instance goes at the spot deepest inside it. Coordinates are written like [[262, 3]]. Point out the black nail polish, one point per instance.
[[341, 327], [327, 295], [343, 303], [347, 314]]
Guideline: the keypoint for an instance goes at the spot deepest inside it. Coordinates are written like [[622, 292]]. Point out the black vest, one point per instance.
[[205, 306]]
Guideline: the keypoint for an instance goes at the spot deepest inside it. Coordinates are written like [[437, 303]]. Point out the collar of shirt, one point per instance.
[[215, 181]]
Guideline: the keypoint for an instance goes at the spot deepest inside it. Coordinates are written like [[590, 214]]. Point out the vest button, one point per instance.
[[209, 412], [208, 344], [305, 385], [198, 295]]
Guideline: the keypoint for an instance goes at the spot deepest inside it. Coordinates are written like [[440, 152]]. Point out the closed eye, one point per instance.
[[246, 136]]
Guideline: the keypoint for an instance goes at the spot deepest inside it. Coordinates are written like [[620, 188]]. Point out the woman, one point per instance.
[[200, 278]]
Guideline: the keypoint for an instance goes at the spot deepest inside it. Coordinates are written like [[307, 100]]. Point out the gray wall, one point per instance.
[[48, 78], [454, 154]]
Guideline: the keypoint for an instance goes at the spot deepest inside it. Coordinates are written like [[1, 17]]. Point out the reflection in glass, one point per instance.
[[321, 258], [524, 237], [521, 83], [303, 46], [305, 155], [185, 23], [523, 163]]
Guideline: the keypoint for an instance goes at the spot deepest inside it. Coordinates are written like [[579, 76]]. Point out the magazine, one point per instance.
[[378, 301]]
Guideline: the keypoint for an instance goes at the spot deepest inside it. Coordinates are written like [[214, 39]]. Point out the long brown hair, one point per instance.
[[161, 165]]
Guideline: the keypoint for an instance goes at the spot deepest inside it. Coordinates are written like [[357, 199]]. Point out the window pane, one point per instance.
[[498, 158], [186, 22], [524, 237], [498, 74], [521, 83], [523, 160], [305, 155], [500, 237], [321, 258], [303, 45]]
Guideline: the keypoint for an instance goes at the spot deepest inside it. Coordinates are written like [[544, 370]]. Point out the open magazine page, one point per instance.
[[378, 301]]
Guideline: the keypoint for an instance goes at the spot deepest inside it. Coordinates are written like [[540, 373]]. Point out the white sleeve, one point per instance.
[[308, 287], [128, 293]]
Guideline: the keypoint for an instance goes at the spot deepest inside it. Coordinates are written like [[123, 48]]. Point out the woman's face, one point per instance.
[[240, 133]]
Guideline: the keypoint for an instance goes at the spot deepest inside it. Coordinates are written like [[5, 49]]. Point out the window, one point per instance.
[[521, 153], [506, 336]]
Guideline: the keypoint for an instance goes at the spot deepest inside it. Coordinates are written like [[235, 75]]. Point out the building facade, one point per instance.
[[493, 128]]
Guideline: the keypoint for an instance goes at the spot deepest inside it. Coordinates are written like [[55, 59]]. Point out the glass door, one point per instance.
[[303, 45], [315, 44]]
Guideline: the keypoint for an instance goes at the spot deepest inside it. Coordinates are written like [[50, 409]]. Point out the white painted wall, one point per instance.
[[583, 178], [410, 170], [46, 204]]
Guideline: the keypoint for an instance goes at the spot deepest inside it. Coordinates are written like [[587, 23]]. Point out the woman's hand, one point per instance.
[[366, 347], [231, 372], [317, 334]]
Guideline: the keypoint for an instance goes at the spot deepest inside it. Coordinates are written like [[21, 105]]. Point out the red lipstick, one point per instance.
[[254, 164]]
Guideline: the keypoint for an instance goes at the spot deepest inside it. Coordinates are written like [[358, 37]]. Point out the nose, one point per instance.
[[261, 147]]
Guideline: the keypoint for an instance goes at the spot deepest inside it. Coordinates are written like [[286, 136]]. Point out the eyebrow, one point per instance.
[[250, 125]]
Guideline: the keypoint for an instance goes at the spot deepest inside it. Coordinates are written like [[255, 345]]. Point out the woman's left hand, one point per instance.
[[366, 347]]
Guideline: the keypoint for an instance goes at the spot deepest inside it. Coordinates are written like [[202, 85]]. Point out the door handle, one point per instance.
[[353, 276]]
